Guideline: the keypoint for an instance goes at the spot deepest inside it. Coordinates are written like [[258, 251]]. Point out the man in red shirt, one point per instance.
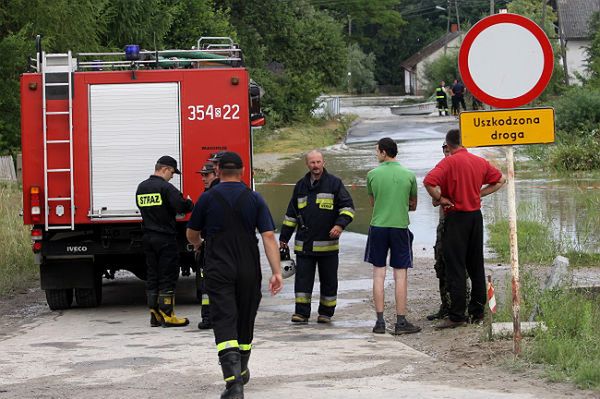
[[458, 183]]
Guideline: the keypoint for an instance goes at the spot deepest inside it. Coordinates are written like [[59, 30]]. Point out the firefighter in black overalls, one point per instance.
[[320, 209], [208, 176], [228, 216], [159, 202], [441, 98]]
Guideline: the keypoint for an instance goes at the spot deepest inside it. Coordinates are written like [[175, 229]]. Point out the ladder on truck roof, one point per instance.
[[57, 72]]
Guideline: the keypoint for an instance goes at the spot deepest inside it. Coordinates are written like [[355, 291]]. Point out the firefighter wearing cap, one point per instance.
[[227, 217], [214, 158], [159, 202], [319, 210], [208, 174]]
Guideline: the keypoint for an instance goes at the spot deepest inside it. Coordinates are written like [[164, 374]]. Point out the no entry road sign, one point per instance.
[[506, 60]]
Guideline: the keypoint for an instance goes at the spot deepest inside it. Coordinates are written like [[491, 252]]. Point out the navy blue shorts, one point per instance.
[[395, 240]]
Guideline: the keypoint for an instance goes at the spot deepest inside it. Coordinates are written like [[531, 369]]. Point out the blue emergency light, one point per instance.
[[132, 52]]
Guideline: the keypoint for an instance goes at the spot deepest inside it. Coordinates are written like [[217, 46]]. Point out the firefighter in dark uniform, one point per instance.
[[208, 176], [214, 158], [441, 98], [159, 202], [227, 217], [320, 209]]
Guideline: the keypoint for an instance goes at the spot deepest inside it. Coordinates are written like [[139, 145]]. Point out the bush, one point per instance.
[[584, 155], [443, 68], [578, 111]]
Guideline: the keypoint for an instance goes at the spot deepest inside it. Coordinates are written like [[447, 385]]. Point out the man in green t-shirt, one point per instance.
[[392, 191]]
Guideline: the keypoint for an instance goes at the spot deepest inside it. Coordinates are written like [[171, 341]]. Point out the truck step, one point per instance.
[[58, 170], [60, 199], [57, 84], [60, 227], [58, 141], [57, 113]]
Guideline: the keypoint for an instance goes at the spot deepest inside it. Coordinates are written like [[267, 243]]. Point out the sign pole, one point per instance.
[[514, 250]]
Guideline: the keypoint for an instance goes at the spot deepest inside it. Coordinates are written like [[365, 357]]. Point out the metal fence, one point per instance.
[[329, 106], [7, 169]]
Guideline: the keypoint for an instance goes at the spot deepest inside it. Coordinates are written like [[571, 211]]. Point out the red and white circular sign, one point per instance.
[[506, 60]]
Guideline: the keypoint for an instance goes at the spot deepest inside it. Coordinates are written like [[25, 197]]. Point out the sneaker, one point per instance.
[[298, 318], [323, 319], [447, 323], [379, 327], [406, 328]]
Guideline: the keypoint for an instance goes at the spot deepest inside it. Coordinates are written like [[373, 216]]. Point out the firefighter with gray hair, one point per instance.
[[319, 211]]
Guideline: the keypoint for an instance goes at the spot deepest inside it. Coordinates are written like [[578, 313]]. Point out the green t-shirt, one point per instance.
[[391, 184]]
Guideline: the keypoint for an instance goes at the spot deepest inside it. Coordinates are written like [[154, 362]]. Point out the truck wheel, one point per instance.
[[59, 299], [90, 297]]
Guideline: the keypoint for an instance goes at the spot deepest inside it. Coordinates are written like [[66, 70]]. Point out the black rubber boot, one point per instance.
[[166, 306], [155, 317], [245, 370], [232, 370]]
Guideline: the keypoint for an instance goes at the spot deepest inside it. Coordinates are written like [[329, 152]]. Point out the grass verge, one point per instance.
[[17, 269], [315, 133]]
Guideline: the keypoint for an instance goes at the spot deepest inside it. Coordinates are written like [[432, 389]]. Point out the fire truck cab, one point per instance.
[[93, 126]]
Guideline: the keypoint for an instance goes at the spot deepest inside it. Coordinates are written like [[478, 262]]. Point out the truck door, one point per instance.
[[131, 126]]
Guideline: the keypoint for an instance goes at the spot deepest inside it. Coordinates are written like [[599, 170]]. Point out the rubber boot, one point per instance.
[[166, 304], [232, 370], [155, 317], [245, 370], [205, 323]]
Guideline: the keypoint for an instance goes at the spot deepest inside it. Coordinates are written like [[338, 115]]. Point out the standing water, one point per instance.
[[419, 149]]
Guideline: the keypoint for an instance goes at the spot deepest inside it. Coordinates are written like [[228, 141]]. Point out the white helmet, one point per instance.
[[288, 266]]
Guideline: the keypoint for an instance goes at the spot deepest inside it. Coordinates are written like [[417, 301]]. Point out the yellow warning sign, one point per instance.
[[507, 127]]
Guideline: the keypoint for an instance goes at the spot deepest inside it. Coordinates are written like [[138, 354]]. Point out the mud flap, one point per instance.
[[67, 273]]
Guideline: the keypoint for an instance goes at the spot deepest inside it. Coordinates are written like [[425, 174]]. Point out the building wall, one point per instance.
[[576, 55], [421, 81]]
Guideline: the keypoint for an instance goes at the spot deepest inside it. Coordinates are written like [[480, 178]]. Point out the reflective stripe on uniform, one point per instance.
[[325, 246], [347, 211], [298, 245], [303, 297], [329, 301], [227, 344], [302, 201], [205, 300], [325, 198], [288, 221], [152, 199], [245, 347]]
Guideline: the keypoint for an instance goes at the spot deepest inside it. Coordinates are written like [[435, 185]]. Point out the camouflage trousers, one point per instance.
[[440, 271]]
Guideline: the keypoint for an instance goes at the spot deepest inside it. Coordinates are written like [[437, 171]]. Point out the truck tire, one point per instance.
[[59, 299], [90, 297]]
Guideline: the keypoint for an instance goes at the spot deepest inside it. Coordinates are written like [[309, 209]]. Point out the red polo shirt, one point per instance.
[[460, 177]]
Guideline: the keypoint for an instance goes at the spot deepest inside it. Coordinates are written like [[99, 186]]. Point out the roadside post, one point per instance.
[[506, 61]]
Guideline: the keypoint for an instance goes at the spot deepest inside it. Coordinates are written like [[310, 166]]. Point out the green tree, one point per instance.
[[193, 19], [294, 51], [593, 51], [361, 67], [143, 22], [443, 68]]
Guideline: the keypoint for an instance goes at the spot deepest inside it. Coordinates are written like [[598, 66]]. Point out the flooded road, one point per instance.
[[419, 148]]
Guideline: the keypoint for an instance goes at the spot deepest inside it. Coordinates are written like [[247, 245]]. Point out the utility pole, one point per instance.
[[491, 7], [349, 25], [457, 17], [543, 14]]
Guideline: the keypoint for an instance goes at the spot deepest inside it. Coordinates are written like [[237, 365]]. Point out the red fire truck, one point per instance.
[[93, 126]]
